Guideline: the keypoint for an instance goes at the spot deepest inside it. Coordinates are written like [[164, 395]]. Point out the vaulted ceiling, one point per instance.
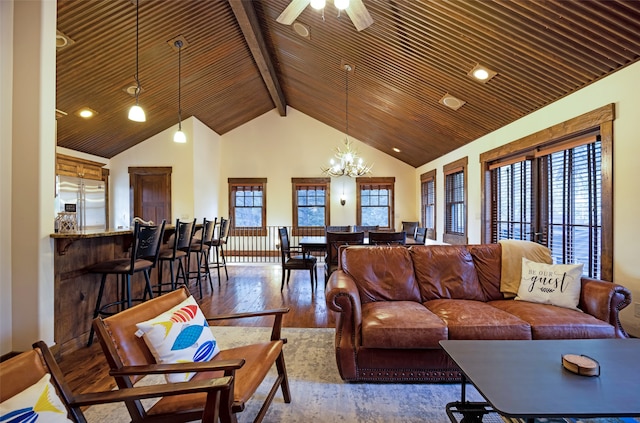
[[239, 63]]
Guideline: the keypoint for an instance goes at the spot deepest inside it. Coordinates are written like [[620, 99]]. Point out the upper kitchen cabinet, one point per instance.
[[80, 168]]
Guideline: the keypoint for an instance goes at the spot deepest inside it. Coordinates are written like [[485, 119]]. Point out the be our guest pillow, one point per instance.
[[556, 284], [179, 335]]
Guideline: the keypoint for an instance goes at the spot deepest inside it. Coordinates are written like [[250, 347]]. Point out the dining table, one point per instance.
[[311, 244]]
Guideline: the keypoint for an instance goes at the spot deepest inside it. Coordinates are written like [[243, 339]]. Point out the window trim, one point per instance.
[[390, 181], [601, 120], [234, 183], [309, 230], [427, 177], [459, 165]]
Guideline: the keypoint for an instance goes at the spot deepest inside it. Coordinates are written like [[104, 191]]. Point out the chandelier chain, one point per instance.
[[348, 163]]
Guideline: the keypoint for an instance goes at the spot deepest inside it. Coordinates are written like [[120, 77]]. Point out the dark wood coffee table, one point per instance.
[[525, 379]]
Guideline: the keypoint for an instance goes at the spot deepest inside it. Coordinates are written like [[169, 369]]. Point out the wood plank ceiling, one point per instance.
[[240, 63]]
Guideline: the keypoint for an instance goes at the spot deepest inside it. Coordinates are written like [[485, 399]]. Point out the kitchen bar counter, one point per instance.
[[76, 289], [91, 233]]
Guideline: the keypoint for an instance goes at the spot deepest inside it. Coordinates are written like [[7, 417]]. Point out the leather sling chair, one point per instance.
[[130, 359], [24, 373]]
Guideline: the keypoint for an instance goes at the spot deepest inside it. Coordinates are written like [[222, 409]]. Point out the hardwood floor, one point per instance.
[[250, 287]]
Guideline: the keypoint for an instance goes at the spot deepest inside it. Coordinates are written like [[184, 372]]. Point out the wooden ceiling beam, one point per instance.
[[246, 16]]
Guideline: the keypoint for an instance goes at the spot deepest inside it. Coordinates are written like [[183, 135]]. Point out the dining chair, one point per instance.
[[177, 251], [387, 238], [293, 258], [410, 228], [421, 235], [144, 253], [344, 228], [34, 389], [334, 241], [365, 229], [130, 359]]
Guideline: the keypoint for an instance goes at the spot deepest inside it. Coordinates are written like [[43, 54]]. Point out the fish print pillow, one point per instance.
[[39, 402], [179, 335]]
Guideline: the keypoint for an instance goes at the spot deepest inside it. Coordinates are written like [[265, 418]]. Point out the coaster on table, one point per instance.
[[581, 365]]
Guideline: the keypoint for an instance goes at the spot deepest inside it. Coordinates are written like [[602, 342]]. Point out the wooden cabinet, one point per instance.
[[81, 168]]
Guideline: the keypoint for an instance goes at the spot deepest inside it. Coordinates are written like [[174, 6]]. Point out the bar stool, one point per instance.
[[143, 257], [200, 247], [218, 244], [178, 251]]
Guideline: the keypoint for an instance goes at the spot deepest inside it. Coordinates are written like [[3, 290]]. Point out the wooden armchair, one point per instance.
[[26, 369], [130, 359]]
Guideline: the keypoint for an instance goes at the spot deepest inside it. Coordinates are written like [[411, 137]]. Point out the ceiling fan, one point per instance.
[[355, 9]]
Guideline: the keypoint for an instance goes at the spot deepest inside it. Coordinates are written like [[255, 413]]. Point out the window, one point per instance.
[[310, 205], [428, 202], [556, 192], [248, 205], [455, 197], [375, 202]]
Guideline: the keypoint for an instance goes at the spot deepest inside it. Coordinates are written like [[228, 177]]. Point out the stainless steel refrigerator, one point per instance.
[[88, 196]]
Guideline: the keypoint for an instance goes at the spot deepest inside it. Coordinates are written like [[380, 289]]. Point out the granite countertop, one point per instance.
[[92, 233]]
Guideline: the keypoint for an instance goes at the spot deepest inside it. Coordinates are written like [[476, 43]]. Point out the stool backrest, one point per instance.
[[184, 234], [147, 240]]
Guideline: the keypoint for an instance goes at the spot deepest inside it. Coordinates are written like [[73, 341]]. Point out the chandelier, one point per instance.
[[346, 161]]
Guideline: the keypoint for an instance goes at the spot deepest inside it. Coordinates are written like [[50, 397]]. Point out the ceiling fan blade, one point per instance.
[[292, 11], [359, 14]]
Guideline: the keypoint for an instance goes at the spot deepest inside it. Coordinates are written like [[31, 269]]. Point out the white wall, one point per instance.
[[279, 148], [619, 88], [29, 141], [207, 157], [157, 151], [6, 100]]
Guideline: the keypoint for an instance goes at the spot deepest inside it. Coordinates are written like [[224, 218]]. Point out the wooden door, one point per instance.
[[150, 193]]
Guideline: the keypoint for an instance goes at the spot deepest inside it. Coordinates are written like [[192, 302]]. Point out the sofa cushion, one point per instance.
[[400, 324], [381, 273], [552, 322], [467, 319], [487, 258], [557, 284], [446, 271]]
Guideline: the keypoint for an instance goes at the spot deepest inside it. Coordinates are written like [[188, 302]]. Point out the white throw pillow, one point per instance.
[[179, 335], [38, 402], [556, 284]]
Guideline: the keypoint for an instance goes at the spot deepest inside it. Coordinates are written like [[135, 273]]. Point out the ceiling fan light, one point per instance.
[[179, 137], [318, 4], [136, 114], [341, 4]]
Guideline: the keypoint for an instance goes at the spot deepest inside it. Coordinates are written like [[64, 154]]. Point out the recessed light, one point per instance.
[[396, 149], [481, 73], [86, 113], [301, 29], [62, 40], [451, 101]]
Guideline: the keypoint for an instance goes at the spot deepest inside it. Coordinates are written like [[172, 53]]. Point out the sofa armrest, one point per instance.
[[343, 297], [604, 300]]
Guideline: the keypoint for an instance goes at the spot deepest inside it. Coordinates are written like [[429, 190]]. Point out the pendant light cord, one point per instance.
[[347, 68], [137, 79], [179, 45]]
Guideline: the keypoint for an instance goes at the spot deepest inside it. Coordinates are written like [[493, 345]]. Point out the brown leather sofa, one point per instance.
[[394, 304]]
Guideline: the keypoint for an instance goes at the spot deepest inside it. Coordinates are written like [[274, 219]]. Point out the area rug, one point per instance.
[[318, 394]]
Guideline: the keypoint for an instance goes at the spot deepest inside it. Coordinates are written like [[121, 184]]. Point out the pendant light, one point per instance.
[[136, 113], [179, 136]]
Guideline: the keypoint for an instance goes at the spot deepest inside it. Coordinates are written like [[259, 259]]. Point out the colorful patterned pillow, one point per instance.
[[556, 284], [38, 402], [179, 335]]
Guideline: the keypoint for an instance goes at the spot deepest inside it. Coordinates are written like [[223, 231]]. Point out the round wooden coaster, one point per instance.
[[581, 365]]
